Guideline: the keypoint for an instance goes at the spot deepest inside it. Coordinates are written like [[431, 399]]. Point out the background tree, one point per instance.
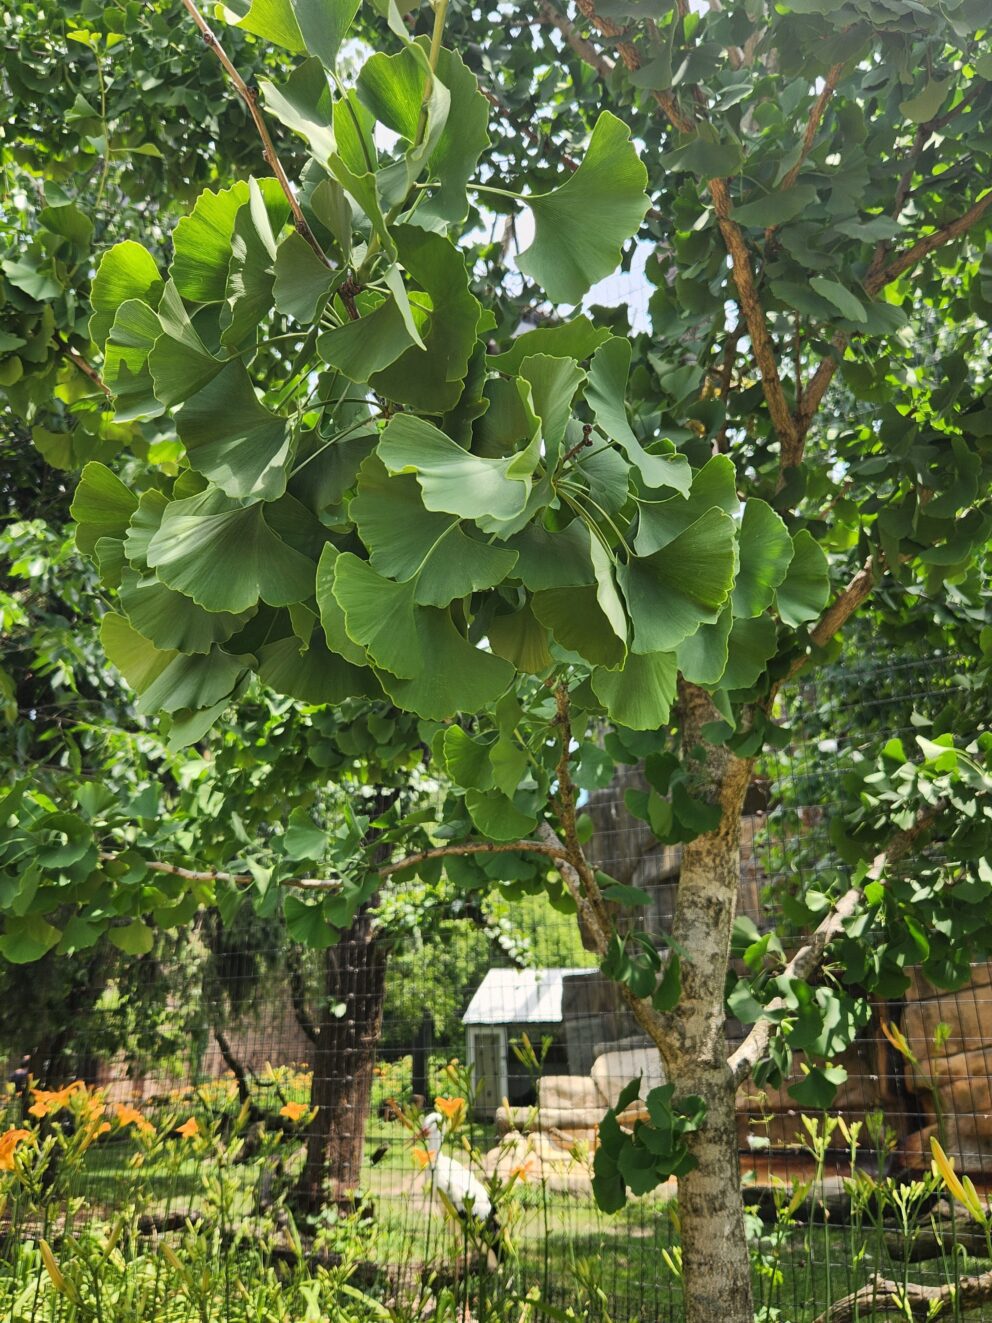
[[652, 534]]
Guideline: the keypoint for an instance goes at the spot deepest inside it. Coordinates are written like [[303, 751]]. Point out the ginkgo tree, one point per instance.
[[572, 547]]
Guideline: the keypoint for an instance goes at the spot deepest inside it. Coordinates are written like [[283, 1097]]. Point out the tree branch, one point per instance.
[[923, 247], [297, 995], [240, 879], [78, 361], [874, 282], [790, 442], [809, 957], [555, 852], [584, 49], [733, 237], [268, 147], [812, 124], [882, 1296]]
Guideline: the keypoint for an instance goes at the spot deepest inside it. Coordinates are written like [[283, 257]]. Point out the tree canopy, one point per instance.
[[375, 445]]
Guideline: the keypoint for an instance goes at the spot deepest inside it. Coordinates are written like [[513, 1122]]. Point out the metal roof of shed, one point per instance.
[[519, 996]]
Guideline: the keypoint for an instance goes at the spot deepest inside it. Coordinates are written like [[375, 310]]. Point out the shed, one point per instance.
[[575, 1008]]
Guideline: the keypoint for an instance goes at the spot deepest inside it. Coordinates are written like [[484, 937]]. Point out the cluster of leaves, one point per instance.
[[641, 1157]]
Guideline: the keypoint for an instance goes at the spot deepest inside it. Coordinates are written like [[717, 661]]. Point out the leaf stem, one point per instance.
[[440, 11], [500, 192], [596, 506]]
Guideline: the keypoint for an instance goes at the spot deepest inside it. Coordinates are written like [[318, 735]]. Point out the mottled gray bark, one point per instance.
[[692, 1038]]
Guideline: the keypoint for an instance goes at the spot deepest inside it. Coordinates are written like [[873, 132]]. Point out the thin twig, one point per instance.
[[268, 147], [86, 368], [809, 957]]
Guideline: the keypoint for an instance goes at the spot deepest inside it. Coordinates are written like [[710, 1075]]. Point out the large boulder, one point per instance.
[[949, 1035], [568, 1093], [612, 1071]]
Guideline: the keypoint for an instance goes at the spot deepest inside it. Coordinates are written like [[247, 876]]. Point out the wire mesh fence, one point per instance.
[[275, 1077]]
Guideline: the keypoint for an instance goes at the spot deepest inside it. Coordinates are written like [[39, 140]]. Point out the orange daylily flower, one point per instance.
[[189, 1129], [523, 1171], [8, 1142], [452, 1108], [47, 1102], [422, 1156], [127, 1115], [294, 1111]]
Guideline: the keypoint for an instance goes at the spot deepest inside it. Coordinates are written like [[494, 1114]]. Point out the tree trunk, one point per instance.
[[355, 988], [715, 1260]]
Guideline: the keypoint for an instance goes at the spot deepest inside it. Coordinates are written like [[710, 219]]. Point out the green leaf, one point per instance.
[[167, 680], [751, 646], [428, 667], [630, 898], [139, 661], [303, 839], [580, 228], [126, 271], [578, 623], [553, 383], [125, 363], [466, 760], [775, 208], [640, 694], [765, 555], [314, 673], [841, 297], [803, 593], [669, 990], [659, 523], [708, 159], [465, 137], [276, 21], [27, 939], [925, 104], [363, 347], [180, 362], [521, 638], [172, 621], [303, 103], [819, 1087], [396, 89], [302, 281], [497, 817], [324, 25], [404, 539], [102, 507], [552, 560], [134, 938], [605, 393], [354, 163], [431, 379], [250, 274], [306, 924], [202, 244], [702, 656], [226, 557], [577, 338], [332, 618], [232, 439], [670, 593], [493, 492]]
